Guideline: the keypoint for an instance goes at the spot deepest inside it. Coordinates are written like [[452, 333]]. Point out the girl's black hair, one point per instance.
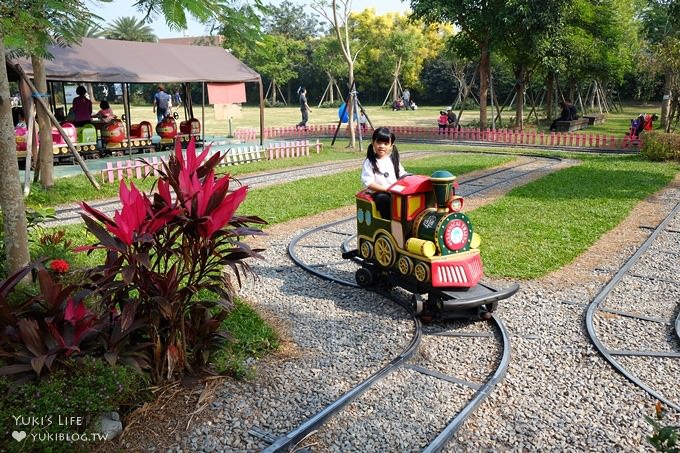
[[104, 105], [383, 135]]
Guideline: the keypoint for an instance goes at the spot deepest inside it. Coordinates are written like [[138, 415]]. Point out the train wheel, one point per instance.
[[422, 272], [364, 277], [366, 250], [384, 252], [405, 265]]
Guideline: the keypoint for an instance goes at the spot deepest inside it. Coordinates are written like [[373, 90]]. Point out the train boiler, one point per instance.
[[427, 246]]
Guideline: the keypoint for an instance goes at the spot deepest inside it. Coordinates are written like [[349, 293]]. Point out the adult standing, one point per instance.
[[304, 108], [161, 103], [406, 96], [177, 98], [82, 108]]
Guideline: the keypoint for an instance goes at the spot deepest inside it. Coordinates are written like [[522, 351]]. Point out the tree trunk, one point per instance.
[[667, 97], [45, 135], [484, 70], [11, 197], [549, 101], [520, 75]]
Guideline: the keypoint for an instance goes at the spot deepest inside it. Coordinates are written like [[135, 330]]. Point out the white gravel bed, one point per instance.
[[658, 373], [402, 413], [559, 393], [342, 335], [470, 359], [647, 297], [652, 265], [670, 243], [623, 333]]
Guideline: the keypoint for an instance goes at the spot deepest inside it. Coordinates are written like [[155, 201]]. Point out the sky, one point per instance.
[[120, 8]]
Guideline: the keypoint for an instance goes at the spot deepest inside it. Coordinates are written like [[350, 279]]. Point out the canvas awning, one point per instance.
[[108, 60]]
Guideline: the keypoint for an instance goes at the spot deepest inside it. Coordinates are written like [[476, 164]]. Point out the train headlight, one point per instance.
[[456, 204]]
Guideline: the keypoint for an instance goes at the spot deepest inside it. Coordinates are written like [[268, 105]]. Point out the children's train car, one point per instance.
[[427, 246], [107, 139]]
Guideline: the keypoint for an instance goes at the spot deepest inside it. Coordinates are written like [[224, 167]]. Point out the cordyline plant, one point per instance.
[[162, 253], [38, 333]]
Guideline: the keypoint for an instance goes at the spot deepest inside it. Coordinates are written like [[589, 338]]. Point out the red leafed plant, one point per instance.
[[161, 253], [46, 328]]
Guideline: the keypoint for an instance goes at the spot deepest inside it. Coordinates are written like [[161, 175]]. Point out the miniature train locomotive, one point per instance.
[[427, 246]]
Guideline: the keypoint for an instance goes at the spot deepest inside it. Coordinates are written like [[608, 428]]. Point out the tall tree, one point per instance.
[[326, 55], [277, 58], [338, 17], [479, 23], [130, 29], [27, 27], [531, 27], [404, 47], [290, 20], [661, 29], [11, 195]]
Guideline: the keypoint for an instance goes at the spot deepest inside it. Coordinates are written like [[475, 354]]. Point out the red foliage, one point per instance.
[[160, 254]]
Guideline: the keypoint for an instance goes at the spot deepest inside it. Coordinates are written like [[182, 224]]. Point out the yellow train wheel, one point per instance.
[[405, 265], [366, 250], [421, 272], [384, 252]]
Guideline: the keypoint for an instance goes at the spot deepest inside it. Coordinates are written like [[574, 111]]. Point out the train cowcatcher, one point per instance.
[[428, 247]]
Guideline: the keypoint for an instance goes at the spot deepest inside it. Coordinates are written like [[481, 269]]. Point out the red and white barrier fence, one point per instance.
[[500, 136], [117, 171]]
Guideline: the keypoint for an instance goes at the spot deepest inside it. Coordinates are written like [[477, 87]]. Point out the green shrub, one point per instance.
[[67, 401], [660, 146]]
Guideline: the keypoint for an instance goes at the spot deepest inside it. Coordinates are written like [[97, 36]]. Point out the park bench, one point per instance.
[[595, 118], [573, 125]]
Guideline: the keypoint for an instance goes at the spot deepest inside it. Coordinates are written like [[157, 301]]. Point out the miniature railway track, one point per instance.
[[634, 321], [472, 392], [319, 251]]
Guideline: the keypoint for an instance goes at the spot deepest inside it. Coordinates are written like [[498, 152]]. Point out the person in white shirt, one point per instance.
[[381, 169]]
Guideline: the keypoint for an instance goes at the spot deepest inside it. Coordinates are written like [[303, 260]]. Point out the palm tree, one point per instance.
[[86, 30], [130, 29]]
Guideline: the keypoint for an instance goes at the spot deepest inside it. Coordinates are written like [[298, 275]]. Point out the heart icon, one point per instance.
[[19, 435]]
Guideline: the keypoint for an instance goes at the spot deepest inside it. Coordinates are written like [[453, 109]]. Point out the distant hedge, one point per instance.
[[661, 146]]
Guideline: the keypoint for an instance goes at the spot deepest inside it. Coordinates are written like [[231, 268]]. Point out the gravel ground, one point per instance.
[[559, 394]]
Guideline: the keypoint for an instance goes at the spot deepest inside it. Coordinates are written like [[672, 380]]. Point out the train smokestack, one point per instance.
[[442, 184]]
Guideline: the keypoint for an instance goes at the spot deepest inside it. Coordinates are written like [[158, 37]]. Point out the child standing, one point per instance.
[[443, 121]]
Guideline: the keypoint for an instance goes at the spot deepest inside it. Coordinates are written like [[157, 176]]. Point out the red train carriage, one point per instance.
[[426, 246]]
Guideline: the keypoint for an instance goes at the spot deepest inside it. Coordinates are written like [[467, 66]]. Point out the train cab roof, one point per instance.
[[412, 184]]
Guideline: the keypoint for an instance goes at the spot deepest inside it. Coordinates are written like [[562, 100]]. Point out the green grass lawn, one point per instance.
[[533, 230], [544, 225]]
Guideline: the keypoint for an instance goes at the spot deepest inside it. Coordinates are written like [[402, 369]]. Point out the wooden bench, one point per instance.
[[595, 118], [573, 125]]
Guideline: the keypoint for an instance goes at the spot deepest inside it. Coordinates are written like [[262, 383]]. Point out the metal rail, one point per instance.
[[481, 392], [602, 295]]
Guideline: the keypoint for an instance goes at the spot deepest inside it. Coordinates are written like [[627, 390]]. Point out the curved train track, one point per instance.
[[468, 394], [319, 252], [634, 321]]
